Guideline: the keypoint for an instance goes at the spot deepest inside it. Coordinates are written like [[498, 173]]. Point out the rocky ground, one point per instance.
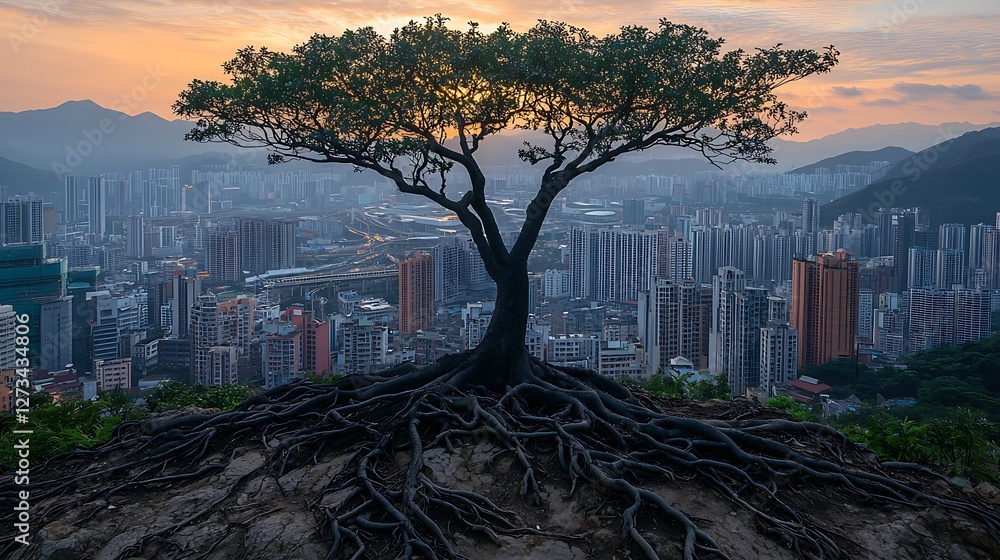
[[238, 510]]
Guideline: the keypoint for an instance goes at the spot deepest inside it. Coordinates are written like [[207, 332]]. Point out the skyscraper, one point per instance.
[[21, 220], [738, 314], [825, 307], [135, 237], [634, 212], [184, 292], [779, 343], [223, 255], [921, 264], [950, 268], [28, 281], [678, 321], [810, 223], [902, 241], [977, 238], [951, 236], [947, 317], [315, 339], [416, 293], [266, 244], [85, 205]]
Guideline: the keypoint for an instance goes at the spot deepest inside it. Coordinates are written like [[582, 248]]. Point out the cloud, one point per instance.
[[841, 91], [882, 102], [968, 92]]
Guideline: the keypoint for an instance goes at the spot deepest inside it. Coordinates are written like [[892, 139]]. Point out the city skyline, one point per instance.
[[901, 60]]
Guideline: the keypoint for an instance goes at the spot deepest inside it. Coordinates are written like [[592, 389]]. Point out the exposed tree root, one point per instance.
[[602, 434]]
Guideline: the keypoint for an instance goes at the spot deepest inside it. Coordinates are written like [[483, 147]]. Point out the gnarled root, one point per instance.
[[620, 442]]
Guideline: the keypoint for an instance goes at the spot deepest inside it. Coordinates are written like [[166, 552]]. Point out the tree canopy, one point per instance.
[[415, 104]]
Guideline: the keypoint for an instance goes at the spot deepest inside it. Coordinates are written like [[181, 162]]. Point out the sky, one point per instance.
[[927, 61]]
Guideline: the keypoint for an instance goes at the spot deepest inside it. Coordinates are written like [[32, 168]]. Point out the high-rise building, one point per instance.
[[85, 205], [627, 261], [282, 353], [903, 239], [223, 255], [680, 255], [476, 319], [8, 337], [634, 212], [949, 268], [135, 238], [738, 314], [213, 354], [778, 347], [951, 236], [365, 344], [977, 238], [825, 307], [991, 259], [416, 293], [185, 290], [105, 330], [866, 314], [55, 326], [810, 224], [316, 355], [22, 220], [947, 317], [447, 279], [29, 280], [921, 265], [266, 244], [678, 321]]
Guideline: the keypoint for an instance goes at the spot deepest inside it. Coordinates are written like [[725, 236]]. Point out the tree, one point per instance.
[[415, 107]]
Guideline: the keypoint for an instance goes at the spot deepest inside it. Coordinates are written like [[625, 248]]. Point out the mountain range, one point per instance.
[[891, 154], [958, 180], [83, 138]]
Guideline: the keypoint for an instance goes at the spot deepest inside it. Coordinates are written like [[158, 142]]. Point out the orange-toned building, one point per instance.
[[416, 293], [825, 307]]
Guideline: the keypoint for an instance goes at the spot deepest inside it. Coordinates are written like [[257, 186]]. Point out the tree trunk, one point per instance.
[[501, 359]]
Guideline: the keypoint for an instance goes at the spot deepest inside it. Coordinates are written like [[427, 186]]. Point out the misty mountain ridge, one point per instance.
[[84, 138], [891, 154], [958, 180]]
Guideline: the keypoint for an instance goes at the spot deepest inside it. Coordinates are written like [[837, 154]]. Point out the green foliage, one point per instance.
[[789, 405], [60, 426], [672, 385], [940, 379], [676, 385], [960, 442], [174, 395], [715, 388], [324, 377]]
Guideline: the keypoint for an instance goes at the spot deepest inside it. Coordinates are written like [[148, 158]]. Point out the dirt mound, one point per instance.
[[232, 501]]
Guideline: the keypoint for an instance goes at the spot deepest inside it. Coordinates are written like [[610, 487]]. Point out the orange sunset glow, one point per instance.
[[903, 60]]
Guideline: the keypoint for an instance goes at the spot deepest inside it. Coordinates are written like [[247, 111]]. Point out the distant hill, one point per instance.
[[22, 179], [959, 181], [69, 139], [892, 154], [910, 136], [81, 137]]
